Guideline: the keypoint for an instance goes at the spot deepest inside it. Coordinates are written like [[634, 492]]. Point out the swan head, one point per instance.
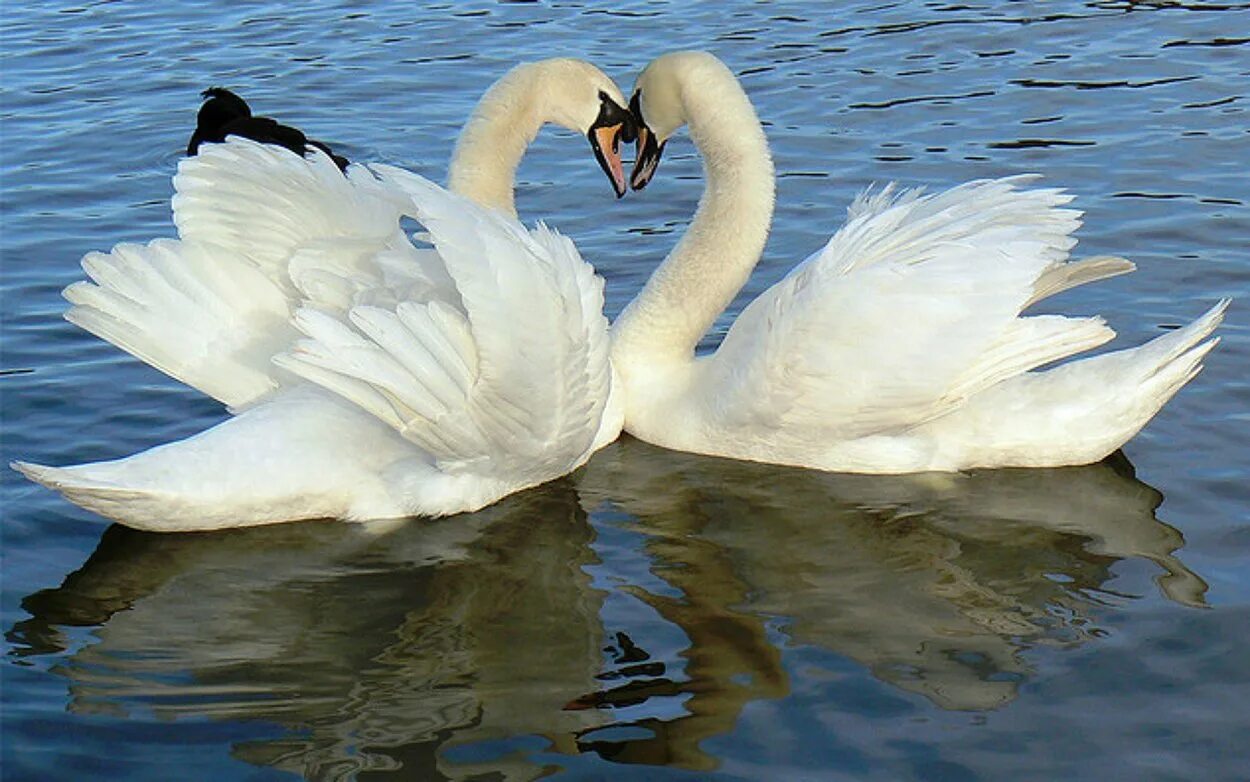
[[613, 124], [581, 98], [659, 105]]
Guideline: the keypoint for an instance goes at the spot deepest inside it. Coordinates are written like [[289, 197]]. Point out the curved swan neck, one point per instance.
[[493, 141], [565, 91], [714, 258]]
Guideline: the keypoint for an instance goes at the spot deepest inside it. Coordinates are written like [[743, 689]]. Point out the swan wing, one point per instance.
[[201, 314], [911, 308], [263, 232], [301, 220], [509, 379]]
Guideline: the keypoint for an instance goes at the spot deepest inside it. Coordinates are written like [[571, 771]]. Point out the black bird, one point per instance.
[[226, 114]]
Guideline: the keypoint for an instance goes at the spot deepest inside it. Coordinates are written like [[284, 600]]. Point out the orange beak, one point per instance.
[[606, 143]]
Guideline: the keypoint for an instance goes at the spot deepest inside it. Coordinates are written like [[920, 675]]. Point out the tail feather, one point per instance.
[[1170, 377], [88, 488], [1063, 276], [297, 454], [1129, 373], [1163, 350], [1029, 343], [1144, 378], [1083, 410]]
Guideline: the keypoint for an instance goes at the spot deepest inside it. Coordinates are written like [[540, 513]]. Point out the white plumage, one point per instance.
[[901, 346], [369, 377], [442, 378]]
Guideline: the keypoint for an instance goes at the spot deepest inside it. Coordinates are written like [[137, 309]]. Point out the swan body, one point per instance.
[[369, 376], [901, 345]]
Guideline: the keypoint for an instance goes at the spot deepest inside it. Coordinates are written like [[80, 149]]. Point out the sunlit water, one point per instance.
[[657, 614]]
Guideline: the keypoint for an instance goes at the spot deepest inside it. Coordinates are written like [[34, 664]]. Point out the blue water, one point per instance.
[[656, 615]]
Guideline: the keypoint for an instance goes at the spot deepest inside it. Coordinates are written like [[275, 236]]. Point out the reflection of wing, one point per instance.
[[360, 644], [934, 582]]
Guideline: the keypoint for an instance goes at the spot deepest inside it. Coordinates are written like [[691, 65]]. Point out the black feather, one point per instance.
[[226, 114]]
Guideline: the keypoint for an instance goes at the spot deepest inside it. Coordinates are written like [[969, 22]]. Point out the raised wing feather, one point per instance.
[[309, 228], [912, 307], [201, 314], [266, 202], [515, 376], [263, 232], [487, 352]]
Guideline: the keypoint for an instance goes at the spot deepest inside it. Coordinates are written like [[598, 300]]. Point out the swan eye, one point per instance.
[[613, 114]]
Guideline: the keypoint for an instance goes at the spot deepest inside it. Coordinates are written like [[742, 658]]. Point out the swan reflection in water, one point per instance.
[[379, 646], [936, 582], [386, 647]]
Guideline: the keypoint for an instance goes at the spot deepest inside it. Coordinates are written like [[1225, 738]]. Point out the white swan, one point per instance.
[[442, 378], [898, 347]]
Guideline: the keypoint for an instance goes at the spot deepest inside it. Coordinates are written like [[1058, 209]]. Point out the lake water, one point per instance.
[[656, 615]]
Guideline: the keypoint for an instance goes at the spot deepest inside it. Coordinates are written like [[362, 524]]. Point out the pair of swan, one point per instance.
[[371, 377]]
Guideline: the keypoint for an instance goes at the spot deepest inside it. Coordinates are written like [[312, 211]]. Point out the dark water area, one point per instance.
[[655, 615]]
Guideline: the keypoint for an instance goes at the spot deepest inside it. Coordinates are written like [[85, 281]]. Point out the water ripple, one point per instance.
[[656, 608], [921, 99]]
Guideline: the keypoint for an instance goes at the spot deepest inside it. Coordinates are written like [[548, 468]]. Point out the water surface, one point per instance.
[[656, 614]]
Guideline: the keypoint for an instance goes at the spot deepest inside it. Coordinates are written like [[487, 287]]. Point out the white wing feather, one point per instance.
[[516, 376], [263, 232], [911, 308], [301, 220], [201, 314], [266, 202], [487, 353]]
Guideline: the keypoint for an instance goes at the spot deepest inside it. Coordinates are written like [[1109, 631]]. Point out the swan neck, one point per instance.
[[490, 147], [726, 237]]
